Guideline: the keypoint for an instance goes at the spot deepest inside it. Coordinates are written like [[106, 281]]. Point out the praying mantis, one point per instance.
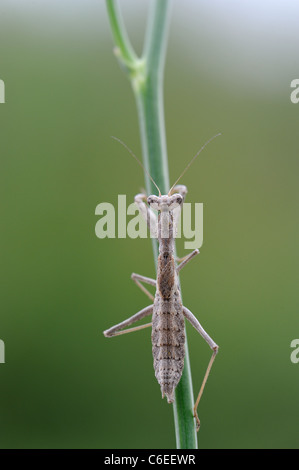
[[167, 310]]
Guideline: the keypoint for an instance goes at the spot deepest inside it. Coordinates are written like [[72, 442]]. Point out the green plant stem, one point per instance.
[[119, 32], [146, 76]]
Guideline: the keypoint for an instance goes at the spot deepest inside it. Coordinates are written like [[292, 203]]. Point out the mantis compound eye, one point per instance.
[[174, 201], [154, 202]]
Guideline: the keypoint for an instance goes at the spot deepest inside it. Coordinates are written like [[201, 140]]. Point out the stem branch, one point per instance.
[[146, 76]]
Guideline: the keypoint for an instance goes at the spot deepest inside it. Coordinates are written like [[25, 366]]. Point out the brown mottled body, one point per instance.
[[168, 330]]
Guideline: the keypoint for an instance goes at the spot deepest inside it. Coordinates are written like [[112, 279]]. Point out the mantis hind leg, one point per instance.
[[195, 323]]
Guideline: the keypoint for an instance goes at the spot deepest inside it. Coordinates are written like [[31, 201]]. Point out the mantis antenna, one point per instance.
[[138, 161], [190, 163]]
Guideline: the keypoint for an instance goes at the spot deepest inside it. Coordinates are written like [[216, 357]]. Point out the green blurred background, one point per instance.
[[229, 68]]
